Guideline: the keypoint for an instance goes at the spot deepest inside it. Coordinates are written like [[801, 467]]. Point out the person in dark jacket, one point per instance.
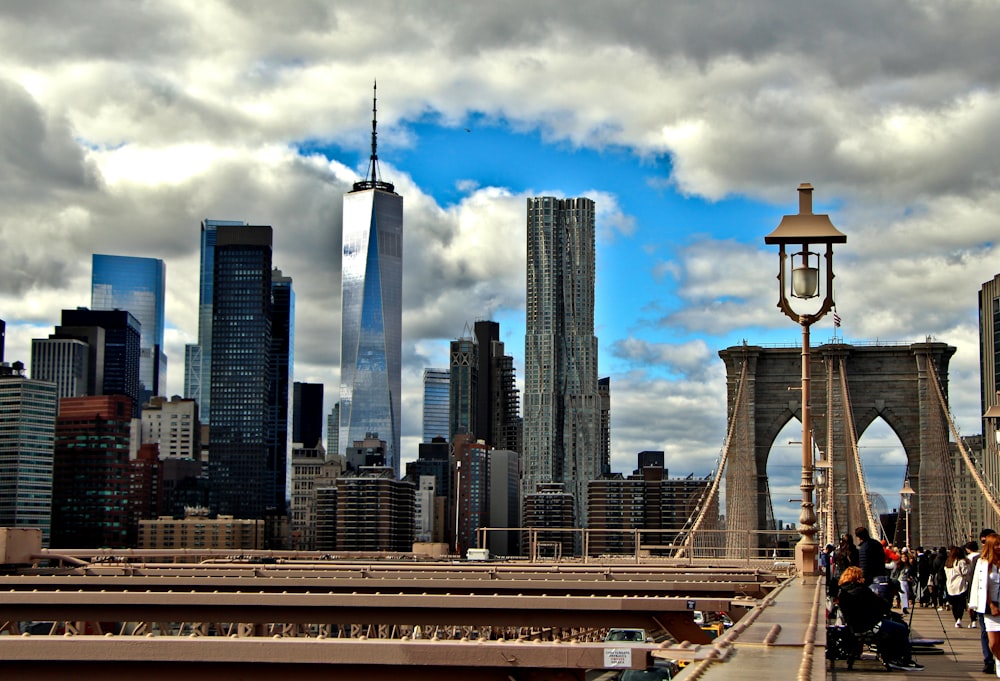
[[867, 614], [939, 594], [871, 555], [844, 557], [923, 576]]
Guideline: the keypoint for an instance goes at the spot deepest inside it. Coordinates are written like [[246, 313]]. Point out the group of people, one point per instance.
[[866, 580]]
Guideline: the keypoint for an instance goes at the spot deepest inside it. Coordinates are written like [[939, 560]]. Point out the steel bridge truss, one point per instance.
[[504, 621]]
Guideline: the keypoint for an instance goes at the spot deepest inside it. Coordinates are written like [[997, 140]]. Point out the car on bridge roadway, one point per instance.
[[627, 636]]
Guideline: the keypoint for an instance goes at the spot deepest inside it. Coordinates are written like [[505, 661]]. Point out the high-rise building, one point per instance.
[[280, 400], [173, 426], [989, 366], [333, 430], [307, 413], [114, 338], [426, 520], [464, 376], [372, 312], [145, 494], [471, 507], [27, 439], [243, 476], [549, 506], [604, 390], [562, 405], [437, 387], [375, 511], [307, 465], [504, 502], [63, 361], [138, 285], [198, 357], [91, 473], [498, 419], [433, 461], [649, 501]]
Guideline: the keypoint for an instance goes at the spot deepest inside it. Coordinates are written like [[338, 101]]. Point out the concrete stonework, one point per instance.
[[887, 381]]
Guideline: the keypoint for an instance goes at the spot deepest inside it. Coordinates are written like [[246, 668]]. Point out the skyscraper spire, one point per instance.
[[372, 177]]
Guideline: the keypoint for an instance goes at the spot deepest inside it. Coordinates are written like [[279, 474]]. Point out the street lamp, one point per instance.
[[824, 480], [805, 229], [906, 504]]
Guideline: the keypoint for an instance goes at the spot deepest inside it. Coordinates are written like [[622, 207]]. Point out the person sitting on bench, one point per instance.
[[868, 615]]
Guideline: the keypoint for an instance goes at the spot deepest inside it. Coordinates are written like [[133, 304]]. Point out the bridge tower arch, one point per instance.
[[852, 386]]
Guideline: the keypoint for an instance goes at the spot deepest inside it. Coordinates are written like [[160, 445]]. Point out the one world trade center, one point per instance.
[[372, 312]]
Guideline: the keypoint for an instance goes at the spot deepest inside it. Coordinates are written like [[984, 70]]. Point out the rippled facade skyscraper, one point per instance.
[[562, 404], [372, 313]]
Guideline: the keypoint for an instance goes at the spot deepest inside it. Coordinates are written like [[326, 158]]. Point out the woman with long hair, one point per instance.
[[957, 571], [984, 594]]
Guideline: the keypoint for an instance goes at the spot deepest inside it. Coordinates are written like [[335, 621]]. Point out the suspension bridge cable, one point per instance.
[[713, 490], [874, 526], [969, 463]]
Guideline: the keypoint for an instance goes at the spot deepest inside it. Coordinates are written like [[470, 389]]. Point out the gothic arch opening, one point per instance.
[[883, 461], [784, 475]]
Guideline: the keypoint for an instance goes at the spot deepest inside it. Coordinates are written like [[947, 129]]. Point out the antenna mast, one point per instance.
[[372, 180]]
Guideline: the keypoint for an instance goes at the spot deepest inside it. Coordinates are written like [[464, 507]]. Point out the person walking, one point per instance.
[[939, 597], [923, 576], [989, 664], [903, 576], [984, 594], [956, 579], [844, 557]]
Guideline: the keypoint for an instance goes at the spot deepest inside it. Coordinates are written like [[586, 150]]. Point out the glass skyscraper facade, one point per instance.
[[242, 471], [562, 405], [371, 317], [121, 282], [198, 358], [437, 387], [282, 361]]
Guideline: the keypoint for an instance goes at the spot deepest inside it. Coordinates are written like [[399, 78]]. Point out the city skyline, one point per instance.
[[688, 125]]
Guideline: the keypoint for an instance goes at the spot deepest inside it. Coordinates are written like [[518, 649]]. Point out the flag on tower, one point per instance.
[[836, 319]]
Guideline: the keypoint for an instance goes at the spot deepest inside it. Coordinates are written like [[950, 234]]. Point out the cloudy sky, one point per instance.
[[124, 124]]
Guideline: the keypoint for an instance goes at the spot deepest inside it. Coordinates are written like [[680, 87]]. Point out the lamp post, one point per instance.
[[906, 504], [805, 229], [824, 479]]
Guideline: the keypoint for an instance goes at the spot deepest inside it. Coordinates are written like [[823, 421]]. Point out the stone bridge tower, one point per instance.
[[890, 381]]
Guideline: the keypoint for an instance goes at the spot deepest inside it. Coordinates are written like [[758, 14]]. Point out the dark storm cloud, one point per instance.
[[38, 152], [53, 31]]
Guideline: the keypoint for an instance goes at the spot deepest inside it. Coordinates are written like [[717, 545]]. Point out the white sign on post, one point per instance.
[[617, 657]]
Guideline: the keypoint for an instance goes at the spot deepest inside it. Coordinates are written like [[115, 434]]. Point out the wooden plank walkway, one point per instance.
[[961, 656]]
